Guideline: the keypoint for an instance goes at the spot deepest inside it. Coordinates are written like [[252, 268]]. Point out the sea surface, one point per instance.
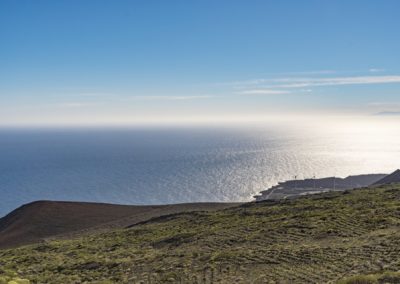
[[183, 164]]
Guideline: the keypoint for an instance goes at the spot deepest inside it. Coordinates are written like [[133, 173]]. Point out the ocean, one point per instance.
[[183, 164]]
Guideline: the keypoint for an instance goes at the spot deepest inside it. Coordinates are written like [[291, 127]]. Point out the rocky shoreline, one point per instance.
[[295, 188]]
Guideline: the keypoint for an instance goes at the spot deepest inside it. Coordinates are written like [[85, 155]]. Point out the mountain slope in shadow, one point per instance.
[[392, 178]]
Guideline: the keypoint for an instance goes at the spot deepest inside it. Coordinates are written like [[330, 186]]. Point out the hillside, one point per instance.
[[313, 239], [392, 178], [37, 221]]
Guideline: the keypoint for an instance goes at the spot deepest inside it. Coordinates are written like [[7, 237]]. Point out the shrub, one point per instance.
[[360, 279]]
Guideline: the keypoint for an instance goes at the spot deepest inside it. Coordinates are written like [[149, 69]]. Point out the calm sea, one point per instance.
[[171, 165]]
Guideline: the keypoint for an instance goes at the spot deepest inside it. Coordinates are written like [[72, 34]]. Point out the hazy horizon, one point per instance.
[[175, 164]]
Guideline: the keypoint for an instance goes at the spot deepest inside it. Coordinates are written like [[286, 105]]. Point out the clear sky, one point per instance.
[[96, 61]]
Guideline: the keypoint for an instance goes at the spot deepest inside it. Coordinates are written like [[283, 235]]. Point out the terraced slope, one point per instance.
[[314, 239], [42, 220]]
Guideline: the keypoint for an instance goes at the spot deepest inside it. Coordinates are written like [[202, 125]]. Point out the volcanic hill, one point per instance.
[[42, 220]]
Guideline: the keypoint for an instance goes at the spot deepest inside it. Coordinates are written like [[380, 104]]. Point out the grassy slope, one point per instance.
[[320, 238], [44, 220]]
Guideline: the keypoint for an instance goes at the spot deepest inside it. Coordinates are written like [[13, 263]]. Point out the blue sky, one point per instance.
[[95, 61]]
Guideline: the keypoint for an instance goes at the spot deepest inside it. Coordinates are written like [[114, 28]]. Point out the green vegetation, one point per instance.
[[10, 277], [346, 237], [381, 278]]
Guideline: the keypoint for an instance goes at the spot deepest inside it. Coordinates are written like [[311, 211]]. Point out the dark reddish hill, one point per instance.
[[41, 220]]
